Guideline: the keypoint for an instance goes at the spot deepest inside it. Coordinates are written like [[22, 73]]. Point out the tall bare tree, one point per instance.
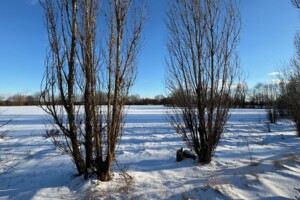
[[59, 85], [88, 58], [291, 82], [290, 92], [241, 94], [291, 95], [78, 66], [272, 92], [202, 68], [123, 44]]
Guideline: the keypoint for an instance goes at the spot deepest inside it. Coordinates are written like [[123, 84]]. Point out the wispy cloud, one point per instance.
[[275, 81], [275, 73]]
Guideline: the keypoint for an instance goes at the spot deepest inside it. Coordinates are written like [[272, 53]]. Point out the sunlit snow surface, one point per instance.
[[250, 162]]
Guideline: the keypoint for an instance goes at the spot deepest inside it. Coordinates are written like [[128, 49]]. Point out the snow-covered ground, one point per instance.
[[250, 162]]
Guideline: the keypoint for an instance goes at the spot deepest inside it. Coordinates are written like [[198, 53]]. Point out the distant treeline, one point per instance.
[[260, 96], [34, 100], [20, 100]]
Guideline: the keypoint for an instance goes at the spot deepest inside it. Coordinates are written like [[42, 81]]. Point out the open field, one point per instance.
[[250, 162]]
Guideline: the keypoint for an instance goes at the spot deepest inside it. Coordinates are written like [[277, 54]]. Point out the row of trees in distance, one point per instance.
[[256, 97], [245, 97]]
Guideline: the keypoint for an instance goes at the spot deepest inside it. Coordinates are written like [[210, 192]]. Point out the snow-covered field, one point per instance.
[[250, 162]]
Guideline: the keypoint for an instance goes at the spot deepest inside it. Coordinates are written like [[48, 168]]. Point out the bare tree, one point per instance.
[[290, 92], [291, 95], [258, 95], [241, 94], [88, 58], [291, 82], [122, 48], [75, 71], [272, 91], [202, 69], [59, 84]]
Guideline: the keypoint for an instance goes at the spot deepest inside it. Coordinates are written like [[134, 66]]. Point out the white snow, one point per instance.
[[249, 163]]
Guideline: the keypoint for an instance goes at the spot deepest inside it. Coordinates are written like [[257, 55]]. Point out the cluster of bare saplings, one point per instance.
[[82, 62], [86, 58]]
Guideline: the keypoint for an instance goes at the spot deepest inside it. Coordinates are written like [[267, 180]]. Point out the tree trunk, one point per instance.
[[104, 174], [77, 155]]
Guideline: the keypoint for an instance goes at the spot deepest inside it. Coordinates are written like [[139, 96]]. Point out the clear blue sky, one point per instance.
[[266, 43]]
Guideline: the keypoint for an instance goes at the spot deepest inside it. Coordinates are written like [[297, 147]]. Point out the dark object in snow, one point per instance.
[[182, 154], [179, 155]]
